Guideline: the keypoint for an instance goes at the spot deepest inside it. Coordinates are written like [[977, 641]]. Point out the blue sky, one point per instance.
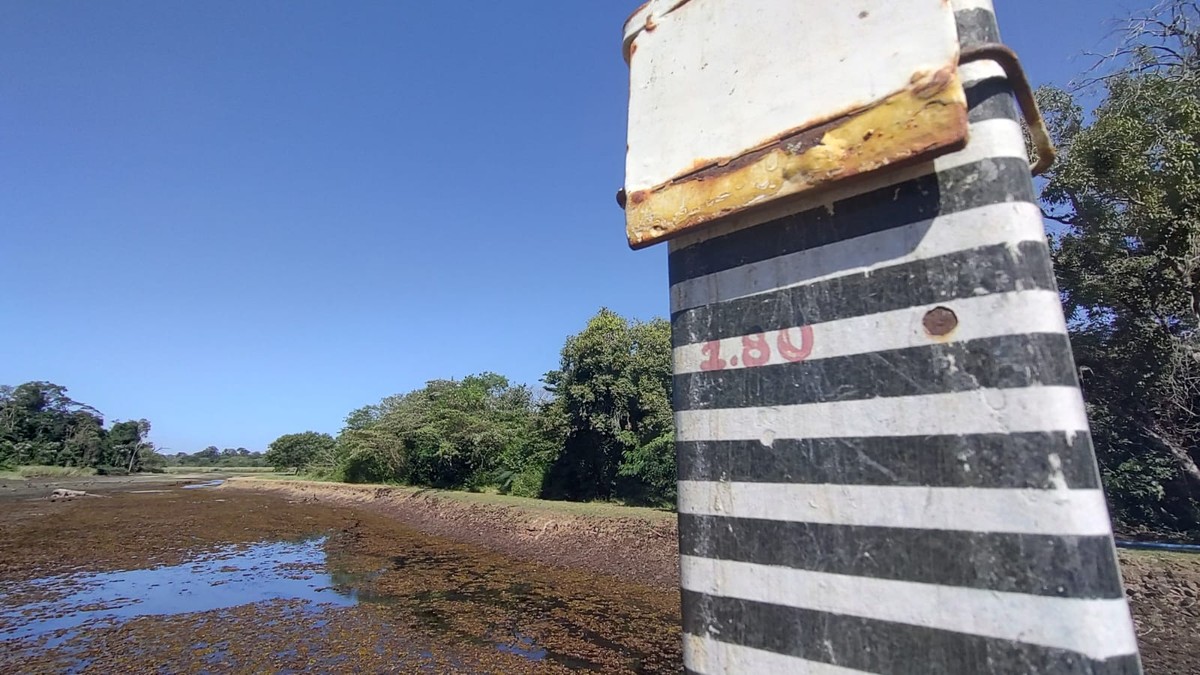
[[242, 219]]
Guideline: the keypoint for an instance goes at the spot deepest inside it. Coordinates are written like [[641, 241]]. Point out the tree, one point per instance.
[[450, 433], [296, 451], [43, 425], [126, 445], [1126, 196], [612, 399]]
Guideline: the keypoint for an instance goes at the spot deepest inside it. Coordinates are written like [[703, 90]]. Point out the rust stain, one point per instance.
[[929, 115], [636, 12], [928, 85]]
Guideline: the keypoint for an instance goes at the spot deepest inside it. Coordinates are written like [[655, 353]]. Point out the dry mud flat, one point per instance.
[[275, 576]]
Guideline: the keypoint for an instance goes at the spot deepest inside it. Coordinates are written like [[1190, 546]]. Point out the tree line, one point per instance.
[[40, 424], [601, 428], [214, 457]]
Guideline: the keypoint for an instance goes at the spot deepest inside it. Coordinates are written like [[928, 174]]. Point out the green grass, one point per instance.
[[54, 471], [1159, 556], [220, 469], [592, 509], [600, 509]]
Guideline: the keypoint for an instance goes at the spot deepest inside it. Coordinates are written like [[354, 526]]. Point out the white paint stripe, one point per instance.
[[977, 71], [969, 412], [1057, 512], [1100, 629], [990, 225], [987, 138], [706, 655], [985, 316]]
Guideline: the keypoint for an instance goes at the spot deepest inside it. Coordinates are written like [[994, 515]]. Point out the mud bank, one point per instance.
[[218, 580], [1163, 588], [639, 545]]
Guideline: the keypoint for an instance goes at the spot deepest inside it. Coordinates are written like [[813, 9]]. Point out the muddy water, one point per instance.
[[222, 580]]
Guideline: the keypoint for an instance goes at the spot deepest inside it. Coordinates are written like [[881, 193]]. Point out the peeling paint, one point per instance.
[[928, 117]]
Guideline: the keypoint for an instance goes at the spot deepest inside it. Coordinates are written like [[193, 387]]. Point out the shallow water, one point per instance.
[[206, 484], [229, 581], [228, 577]]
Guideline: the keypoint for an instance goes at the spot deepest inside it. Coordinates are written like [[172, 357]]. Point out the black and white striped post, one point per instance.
[[884, 460]]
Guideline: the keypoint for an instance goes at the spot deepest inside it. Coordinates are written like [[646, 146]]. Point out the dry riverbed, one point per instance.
[[290, 576], [232, 580]]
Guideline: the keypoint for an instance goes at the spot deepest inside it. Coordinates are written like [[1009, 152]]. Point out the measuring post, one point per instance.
[[884, 460]]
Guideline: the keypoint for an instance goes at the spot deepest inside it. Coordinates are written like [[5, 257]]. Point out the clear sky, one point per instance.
[[240, 219]]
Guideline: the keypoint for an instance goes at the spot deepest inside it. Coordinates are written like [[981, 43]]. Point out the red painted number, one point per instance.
[[713, 351], [755, 351], [790, 351]]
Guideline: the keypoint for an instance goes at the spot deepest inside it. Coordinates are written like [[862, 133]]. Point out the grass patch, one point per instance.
[[595, 509], [220, 469], [35, 471], [591, 509]]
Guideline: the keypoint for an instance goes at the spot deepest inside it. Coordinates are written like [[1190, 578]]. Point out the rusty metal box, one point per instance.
[[734, 104]]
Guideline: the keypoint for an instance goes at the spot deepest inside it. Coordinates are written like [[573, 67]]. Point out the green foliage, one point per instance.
[[527, 483], [450, 433], [296, 451], [1126, 195], [612, 400], [239, 458], [606, 432], [653, 464], [41, 425]]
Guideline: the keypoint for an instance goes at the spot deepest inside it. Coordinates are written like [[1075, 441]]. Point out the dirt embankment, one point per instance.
[[1163, 589], [641, 548]]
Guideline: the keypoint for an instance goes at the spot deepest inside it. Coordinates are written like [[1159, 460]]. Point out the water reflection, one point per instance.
[[228, 577], [206, 484]]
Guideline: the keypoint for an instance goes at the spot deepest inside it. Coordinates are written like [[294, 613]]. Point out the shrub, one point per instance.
[[527, 483], [366, 466]]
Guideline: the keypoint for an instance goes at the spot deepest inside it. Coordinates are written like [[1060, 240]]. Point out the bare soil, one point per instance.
[[1163, 591]]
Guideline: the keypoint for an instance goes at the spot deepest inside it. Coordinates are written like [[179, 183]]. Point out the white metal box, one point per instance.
[[734, 104]]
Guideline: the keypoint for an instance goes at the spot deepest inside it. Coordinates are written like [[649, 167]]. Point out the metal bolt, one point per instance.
[[940, 321]]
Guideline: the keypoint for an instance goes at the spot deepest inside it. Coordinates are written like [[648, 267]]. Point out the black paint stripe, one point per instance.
[[976, 26], [879, 646], [1018, 460], [991, 99], [1003, 362], [963, 274], [950, 191], [1062, 566]]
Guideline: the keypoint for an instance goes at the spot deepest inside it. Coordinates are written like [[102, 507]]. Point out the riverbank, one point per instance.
[[629, 543], [642, 544]]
